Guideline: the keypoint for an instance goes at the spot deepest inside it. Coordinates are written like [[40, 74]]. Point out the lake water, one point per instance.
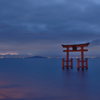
[[44, 79]]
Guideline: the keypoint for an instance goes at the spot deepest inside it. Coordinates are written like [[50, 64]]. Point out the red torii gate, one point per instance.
[[74, 48]]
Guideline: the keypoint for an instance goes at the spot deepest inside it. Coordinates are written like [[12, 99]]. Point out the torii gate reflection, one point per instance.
[[74, 48]]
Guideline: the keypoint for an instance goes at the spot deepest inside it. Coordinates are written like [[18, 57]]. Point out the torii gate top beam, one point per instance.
[[74, 47]]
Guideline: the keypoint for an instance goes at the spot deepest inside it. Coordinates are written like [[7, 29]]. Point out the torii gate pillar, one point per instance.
[[80, 63]]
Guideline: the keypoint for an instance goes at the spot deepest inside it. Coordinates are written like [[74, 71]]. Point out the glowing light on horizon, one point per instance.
[[30, 53], [9, 53]]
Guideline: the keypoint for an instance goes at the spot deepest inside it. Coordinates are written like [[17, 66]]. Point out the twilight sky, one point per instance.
[[39, 27]]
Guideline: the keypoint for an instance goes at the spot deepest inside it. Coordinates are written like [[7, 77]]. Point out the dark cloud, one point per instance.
[[32, 25], [96, 42]]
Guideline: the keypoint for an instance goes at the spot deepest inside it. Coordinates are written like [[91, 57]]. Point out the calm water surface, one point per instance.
[[44, 79]]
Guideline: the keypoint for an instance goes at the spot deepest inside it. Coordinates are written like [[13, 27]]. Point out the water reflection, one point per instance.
[[26, 79]]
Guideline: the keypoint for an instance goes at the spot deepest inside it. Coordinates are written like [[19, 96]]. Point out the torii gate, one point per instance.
[[75, 49]]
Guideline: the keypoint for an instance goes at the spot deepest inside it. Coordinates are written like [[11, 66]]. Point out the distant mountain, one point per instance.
[[37, 57]]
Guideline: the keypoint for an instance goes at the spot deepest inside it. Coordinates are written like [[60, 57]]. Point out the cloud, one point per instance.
[[41, 23], [96, 42]]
